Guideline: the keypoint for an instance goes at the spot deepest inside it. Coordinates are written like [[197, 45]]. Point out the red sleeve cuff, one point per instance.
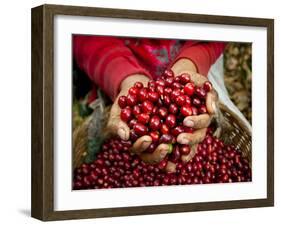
[[203, 55], [107, 61]]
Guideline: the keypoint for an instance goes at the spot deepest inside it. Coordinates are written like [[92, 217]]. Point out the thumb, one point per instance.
[[116, 126], [155, 157], [211, 102], [123, 130]]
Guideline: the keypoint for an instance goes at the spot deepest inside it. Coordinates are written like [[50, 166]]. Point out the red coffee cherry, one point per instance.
[[122, 101], [207, 86], [155, 123], [186, 110], [189, 89], [126, 114]]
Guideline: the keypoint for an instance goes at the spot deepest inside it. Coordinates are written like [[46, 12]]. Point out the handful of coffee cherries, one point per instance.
[[159, 109]]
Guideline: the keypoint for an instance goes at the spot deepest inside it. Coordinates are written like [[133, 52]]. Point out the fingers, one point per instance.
[[186, 158], [197, 78], [115, 125], [123, 130], [159, 154], [171, 167], [198, 121], [141, 144], [211, 101], [192, 138]]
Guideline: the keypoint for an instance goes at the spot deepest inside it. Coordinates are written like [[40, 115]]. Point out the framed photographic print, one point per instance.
[[141, 112]]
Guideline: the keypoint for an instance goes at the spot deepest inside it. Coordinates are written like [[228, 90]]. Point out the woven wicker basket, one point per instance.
[[233, 131], [236, 133]]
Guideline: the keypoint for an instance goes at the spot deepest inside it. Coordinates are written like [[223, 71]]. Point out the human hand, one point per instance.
[[198, 122], [116, 126]]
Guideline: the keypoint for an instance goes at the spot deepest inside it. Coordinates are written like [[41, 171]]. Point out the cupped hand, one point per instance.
[[116, 126], [202, 121], [199, 122]]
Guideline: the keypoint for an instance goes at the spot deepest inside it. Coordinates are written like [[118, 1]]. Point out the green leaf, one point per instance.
[[84, 110]]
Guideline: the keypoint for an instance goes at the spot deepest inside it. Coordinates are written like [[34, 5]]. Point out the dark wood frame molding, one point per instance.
[[43, 121]]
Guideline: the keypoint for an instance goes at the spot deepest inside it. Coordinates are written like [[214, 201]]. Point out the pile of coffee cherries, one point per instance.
[[116, 167], [159, 109]]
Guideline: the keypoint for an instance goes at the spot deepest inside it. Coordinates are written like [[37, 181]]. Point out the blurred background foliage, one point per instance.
[[237, 77], [81, 88]]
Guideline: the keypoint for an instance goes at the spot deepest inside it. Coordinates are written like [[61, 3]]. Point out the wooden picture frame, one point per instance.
[[43, 110]]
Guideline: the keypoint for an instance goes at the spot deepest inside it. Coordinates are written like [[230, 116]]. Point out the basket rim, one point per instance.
[[235, 116]]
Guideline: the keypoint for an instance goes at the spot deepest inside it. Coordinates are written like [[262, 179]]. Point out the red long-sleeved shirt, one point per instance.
[[108, 60]]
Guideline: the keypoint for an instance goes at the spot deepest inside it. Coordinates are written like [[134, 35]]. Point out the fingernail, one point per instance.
[[121, 133], [163, 153], [184, 141], [144, 144], [188, 123], [214, 107]]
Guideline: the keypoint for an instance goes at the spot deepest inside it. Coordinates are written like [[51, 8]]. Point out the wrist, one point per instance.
[[183, 65]]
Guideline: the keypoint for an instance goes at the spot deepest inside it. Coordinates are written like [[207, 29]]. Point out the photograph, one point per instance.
[[160, 112]]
